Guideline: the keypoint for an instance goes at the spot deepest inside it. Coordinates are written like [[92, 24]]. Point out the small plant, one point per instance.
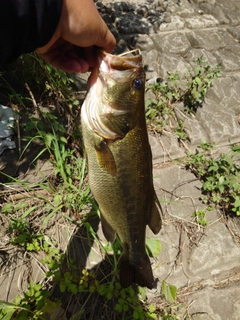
[[161, 110], [200, 216], [169, 291], [220, 178], [36, 302], [200, 79], [180, 132], [23, 236]]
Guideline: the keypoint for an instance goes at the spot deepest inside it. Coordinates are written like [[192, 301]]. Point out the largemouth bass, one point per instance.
[[120, 161]]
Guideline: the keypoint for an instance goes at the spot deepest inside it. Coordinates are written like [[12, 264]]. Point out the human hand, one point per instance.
[[80, 30]]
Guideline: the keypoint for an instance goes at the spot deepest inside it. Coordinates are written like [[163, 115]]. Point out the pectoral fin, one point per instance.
[[108, 231], [105, 158], [154, 219]]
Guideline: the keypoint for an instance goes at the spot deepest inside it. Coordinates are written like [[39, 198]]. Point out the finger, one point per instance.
[[89, 54], [66, 62], [72, 65]]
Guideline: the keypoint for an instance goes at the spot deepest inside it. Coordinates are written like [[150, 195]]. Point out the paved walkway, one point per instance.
[[203, 263]]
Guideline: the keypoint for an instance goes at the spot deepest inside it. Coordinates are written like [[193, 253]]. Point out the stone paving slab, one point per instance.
[[216, 303]]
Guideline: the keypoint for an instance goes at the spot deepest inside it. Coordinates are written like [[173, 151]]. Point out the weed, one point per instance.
[[36, 301], [200, 216], [169, 291], [199, 81], [180, 132], [161, 110], [220, 178]]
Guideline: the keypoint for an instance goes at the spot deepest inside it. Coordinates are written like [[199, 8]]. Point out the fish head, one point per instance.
[[123, 81], [116, 94]]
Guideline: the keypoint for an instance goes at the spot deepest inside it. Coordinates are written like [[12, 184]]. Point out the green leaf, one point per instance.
[[109, 295], [142, 292], [63, 139], [221, 188], [8, 314], [153, 246], [213, 168], [198, 81], [57, 199], [8, 208], [148, 103], [169, 291], [102, 289], [30, 210], [7, 305], [152, 308], [63, 287], [118, 307], [8, 309], [221, 180], [30, 247], [154, 101], [237, 202], [48, 139], [125, 307]]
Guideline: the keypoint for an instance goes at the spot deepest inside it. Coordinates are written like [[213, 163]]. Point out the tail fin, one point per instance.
[[139, 274]]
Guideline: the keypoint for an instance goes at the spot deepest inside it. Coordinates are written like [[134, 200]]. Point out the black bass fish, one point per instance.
[[120, 160]]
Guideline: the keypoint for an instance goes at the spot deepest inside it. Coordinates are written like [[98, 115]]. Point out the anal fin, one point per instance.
[[154, 219]]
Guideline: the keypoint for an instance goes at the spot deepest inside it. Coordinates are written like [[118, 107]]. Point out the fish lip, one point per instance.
[[121, 62]]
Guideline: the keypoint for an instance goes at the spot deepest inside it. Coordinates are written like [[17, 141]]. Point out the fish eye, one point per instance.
[[138, 84]]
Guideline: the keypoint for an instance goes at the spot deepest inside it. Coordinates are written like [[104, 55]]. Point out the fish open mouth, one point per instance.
[[125, 61], [133, 52]]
